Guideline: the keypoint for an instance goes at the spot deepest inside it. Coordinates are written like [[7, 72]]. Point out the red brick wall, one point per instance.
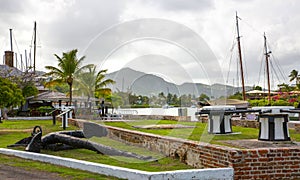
[[273, 163], [264, 163]]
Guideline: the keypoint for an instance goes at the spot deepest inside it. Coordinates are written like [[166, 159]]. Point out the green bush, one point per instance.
[[264, 102], [258, 102], [44, 109], [140, 106], [280, 103]]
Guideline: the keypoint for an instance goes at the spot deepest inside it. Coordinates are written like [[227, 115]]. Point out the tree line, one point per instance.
[[127, 99]]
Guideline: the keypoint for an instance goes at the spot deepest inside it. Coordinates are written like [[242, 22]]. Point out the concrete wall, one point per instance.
[[124, 173]]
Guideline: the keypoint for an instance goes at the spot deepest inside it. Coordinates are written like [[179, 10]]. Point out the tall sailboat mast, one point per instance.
[[240, 56], [34, 47], [267, 67]]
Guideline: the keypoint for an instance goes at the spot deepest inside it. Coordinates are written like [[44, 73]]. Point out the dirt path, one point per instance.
[[15, 130], [18, 173]]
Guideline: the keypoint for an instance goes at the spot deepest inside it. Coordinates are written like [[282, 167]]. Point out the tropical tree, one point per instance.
[[295, 76], [29, 90], [162, 98], [116, 99], [169, 98], [203, 97], [285, 87], [63, 88], [92, 83], [68, 66], [10, 95], [236, 95], [175, 100], [185, 100], [257, 88], [124, 96], [25, 81]]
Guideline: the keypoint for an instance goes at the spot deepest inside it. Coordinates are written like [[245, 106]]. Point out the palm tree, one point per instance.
[[295, 76], [68, 66], [285, 87], [90, 82]]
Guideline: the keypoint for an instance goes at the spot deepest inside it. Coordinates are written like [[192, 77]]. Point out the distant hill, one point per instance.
[[141, 83]]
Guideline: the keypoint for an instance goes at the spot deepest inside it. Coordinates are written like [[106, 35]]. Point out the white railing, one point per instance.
[[67, 113], [126, 111]]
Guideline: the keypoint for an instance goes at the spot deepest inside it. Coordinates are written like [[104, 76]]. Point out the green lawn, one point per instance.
[[13, 131], [199, 133], [64, 172]]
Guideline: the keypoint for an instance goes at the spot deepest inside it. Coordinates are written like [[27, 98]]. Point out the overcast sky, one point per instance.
[[179, 40]]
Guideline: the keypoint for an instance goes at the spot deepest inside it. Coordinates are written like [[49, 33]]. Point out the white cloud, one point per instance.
[[67, 24]]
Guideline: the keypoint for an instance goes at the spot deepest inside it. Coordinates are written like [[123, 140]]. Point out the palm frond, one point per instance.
[[54, 82]]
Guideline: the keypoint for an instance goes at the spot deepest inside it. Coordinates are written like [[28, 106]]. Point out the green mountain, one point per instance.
[[141, 83]]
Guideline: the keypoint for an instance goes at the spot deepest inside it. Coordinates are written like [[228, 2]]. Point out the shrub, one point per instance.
[[44, 109]]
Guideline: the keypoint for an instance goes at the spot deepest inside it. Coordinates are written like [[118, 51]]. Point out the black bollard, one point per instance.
[[102, 111], [64, 121], [106, 109], [59, 103], [102, 108], [54, 117]]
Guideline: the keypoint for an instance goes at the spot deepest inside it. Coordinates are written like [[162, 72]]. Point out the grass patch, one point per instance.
[[13, 131], [64, 172], [163, 164], [199, 133], [124, 147]]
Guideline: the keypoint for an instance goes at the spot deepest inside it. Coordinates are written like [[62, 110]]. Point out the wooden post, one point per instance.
[[267, 68], [240, 57], [34, 46]]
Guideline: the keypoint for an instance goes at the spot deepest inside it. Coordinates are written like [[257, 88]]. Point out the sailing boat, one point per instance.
[[267, 55], [240, 104], [240, 63]]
